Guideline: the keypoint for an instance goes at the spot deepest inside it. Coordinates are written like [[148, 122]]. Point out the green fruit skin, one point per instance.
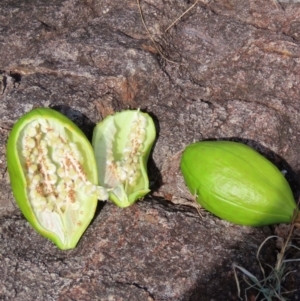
[[18, 179], [237, 184]]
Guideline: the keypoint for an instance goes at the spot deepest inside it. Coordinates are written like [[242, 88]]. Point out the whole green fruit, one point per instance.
[[236, 183]]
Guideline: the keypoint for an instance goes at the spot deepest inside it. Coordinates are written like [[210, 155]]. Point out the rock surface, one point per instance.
[[226, 70]]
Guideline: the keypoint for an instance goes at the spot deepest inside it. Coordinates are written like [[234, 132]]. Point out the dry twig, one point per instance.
[[150, 35], [173, 23]]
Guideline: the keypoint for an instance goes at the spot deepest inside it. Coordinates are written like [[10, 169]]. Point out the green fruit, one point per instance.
[[234, 182], [53, 175], [122, 143]]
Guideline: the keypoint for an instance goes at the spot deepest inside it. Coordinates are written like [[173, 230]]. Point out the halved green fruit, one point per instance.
[[236, 183], [122, 143], [53, 175]]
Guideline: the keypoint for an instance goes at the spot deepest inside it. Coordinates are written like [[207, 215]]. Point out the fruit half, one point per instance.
[[53, 175], [122, 143]]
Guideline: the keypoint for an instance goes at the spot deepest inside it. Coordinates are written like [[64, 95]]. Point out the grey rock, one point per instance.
[[232, 72]]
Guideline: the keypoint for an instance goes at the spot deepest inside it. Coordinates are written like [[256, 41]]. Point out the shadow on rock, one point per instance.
[[82, 121]]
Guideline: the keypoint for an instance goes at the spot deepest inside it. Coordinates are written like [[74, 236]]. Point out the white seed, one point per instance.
[[60, 172], [141, 136], [43, 201], [61, 187], [135, 159], [39, 202], [31, 131], [44, 125], [110, 159], [52, 179], [57, 154], [76, 155], [60, 152], [33, 194], [128, 168], [89, 189], [142, 122], [55, 133], [75, 205], [33, 158], [63, 195], [51, 199], [133, 135], [132, 181], [75, 150], [127, 149], [128, 160], [122, 174], [72, 173], [43, 150], [52, 139], [68, 182], [32, 168], [24, 141], [30, 143], [35, 152], [49, 207], [79, 158], [25, 153], [72, 146], [38, 136], [36, 179], [140, 148], [134, 123], [43, 144], [109, 162], [51, 168], [101, 193], [59, 202], [79, 183], [126, 157], [44, 129]]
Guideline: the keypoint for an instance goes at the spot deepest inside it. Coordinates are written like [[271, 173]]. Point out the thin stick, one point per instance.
[[150, 35], [277, 4], [173, 23], [282, 252]]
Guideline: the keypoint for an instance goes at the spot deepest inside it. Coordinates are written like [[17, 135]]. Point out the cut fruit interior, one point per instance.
[[53, 175], [122, 143]]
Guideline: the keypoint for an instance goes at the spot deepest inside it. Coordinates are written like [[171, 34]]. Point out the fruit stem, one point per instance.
[[296, 218]]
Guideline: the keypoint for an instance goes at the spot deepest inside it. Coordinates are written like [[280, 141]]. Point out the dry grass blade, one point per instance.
[[258, 252], [173, 23], [277, 4], [150, 35], [270, 287]]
